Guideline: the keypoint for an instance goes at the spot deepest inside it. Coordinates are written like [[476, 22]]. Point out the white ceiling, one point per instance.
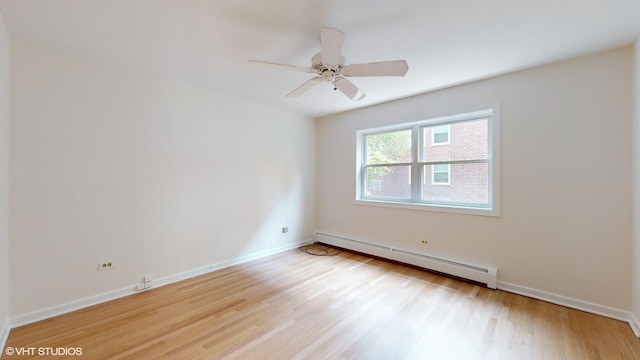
[[208, 42]]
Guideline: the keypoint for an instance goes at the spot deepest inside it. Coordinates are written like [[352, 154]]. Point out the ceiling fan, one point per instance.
[[329, 65]]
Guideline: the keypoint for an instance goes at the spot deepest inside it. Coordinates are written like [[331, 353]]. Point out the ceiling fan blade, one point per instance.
[[348, 89], [284, 66], [331, 41], [383, 68], [305, 86]]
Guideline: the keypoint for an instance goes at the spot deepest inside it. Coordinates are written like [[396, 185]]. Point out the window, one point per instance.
[[440, 135], [406, 165], [440, 174], [388, 159]]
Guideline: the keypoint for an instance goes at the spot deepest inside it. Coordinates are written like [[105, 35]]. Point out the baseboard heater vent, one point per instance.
[[485, 275]]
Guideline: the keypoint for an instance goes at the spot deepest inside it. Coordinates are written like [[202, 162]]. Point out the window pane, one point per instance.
[[393, 182], [389, 147], [441, 177], [440, 138], [441, 167], [468, 183], [468, 140], [441, 129]]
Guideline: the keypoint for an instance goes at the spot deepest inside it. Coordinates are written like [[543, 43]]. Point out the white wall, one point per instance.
[[636, 186], [4, 177], [565, 226], [163, 178]]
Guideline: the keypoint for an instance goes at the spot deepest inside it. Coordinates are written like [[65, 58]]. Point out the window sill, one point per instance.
[[431, 207]]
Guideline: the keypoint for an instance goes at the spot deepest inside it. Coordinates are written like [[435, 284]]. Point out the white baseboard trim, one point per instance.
[[573, 303], [635, 324], [4, 335], [224, 264], [56, 310]]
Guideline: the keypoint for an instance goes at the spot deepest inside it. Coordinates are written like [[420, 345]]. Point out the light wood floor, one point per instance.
[[298, 306]]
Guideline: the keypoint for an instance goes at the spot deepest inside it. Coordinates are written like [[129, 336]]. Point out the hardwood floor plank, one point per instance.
[[297, 306]]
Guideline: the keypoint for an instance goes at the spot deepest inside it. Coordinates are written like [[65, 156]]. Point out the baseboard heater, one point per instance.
[[481, 274]]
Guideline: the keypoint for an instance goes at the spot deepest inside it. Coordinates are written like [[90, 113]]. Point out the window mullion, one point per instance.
[[477, 161], [386, 165], [416, 145]]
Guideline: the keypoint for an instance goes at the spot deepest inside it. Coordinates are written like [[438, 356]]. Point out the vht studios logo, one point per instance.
[[41, 351]]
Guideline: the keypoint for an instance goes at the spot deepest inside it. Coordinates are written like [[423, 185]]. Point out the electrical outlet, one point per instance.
[[285, 229], [424, 242], [106, 265]]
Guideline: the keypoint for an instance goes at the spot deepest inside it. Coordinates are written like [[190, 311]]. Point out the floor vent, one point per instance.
[[485, 275]]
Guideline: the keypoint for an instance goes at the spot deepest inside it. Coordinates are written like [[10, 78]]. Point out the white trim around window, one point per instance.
[[419, 199]]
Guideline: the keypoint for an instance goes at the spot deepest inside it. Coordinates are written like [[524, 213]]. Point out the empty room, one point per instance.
[[306, 179]]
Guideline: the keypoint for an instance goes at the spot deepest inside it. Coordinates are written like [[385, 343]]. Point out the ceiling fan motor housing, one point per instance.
[[316, 62]]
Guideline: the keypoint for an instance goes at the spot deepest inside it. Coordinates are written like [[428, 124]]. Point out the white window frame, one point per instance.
[[433, 135], [492, 113]]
